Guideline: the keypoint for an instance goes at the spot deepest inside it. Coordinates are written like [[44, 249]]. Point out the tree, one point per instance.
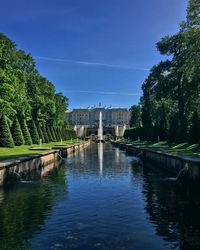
[[173, 129], [6, 139], [40, 133], [194, 131], [34, 132], [24, 92], [53, 134], [171, 90], [44, 131], [49, 134], [17, 133], [26, 133], [135, 119], [193, 17]]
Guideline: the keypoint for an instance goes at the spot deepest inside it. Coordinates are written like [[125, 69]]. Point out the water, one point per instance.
[[100, 198]]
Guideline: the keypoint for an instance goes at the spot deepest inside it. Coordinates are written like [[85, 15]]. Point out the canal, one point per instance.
[[100, 198]]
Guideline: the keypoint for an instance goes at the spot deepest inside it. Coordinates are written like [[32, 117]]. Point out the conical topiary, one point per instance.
[[34, 132], [40, 132], [53, 134], [60, 134], [6, 139], [44, 130], [49, 134], [25, 132], [17, 133], [57, 135]]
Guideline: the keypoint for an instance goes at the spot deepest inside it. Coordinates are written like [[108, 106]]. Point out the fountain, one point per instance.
[[100, 129]]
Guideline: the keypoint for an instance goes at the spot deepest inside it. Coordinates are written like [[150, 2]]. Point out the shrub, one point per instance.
[[17, 133], [6, 139]]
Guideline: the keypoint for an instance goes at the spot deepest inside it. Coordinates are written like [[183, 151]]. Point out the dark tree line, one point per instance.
[[30, 108], [170, 105]]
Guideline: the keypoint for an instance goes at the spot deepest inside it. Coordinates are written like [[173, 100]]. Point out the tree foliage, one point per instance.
[[27, 94], [171, 92]]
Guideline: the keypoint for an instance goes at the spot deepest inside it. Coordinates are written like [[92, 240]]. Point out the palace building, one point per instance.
[[86, 120]]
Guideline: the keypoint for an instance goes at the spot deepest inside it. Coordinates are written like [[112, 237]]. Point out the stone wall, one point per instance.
[[184, 167], [35, 164]]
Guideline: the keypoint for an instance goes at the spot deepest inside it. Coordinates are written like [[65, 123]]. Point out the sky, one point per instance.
[[93, 50]]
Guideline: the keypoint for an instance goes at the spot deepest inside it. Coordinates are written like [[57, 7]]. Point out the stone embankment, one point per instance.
[[15, 169], [186, 168]]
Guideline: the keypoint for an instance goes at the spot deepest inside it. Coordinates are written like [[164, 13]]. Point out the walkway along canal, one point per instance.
[[100, 198]]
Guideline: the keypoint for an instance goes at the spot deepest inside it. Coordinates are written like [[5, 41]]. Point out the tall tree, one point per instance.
[[135, 119]]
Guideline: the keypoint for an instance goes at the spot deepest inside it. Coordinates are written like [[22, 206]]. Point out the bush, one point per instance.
[[34, 132], [17, 133], [6, 139], [26, 133]]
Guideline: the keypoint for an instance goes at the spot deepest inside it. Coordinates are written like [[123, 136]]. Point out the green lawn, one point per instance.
[[182, 149], [20, 151]]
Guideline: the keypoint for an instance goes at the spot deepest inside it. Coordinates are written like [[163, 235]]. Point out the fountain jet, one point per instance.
[[100, 129]]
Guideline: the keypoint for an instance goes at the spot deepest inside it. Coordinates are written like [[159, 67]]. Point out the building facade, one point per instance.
[[86, 120]]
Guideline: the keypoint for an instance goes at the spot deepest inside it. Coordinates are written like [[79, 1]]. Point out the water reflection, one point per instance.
[[173, 210], [100, 156], [25, 207], [100, 198]]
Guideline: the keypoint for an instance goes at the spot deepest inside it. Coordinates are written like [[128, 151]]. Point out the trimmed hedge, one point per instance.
[[45, 134], [6, 139], [34, 132], [26, 133], [54, 139], [17, 133], [40, 133], [49, 134]]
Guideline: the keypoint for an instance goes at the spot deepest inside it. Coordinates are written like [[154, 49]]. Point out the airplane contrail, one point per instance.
[[102, 92], [95, 64]]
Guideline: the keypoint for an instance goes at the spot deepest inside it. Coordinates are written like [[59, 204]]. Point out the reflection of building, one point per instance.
[[86, 120]]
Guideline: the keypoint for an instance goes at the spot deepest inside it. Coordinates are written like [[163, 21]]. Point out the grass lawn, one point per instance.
[[182, 149], [20, 151]]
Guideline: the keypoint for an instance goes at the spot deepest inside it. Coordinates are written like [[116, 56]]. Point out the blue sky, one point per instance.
[[93, 50]]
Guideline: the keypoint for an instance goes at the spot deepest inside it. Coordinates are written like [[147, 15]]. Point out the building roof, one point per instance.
[[89, 108]]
